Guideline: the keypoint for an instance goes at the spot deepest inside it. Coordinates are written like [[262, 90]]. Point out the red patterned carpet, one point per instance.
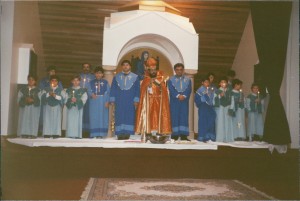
[[170, 189]]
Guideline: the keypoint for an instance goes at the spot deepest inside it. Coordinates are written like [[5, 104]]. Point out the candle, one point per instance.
[[29, 91], [83, 82], [207, 90], [96, 89], [52, 85], [258, 94], [73, 93], [241, 95]]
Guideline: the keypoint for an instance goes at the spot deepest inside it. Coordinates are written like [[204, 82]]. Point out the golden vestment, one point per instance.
[[153, 113]]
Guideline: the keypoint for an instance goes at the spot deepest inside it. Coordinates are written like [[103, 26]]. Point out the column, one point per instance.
[[109, 73], [190, 73]]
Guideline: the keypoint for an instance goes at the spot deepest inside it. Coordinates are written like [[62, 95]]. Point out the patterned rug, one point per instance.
[[170, 189]]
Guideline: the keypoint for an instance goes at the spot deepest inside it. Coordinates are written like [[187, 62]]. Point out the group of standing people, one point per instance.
[[153, 104], [222, 110]]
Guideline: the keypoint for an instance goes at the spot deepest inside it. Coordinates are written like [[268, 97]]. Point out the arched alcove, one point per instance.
[[164, 63]]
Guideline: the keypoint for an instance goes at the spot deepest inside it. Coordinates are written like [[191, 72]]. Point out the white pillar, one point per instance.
[[190, 74], [109, 73]]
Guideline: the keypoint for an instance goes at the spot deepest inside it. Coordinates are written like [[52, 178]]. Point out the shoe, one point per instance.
[[120, 137], [47, 136], [184, 137], [55, 136], [174, 137]]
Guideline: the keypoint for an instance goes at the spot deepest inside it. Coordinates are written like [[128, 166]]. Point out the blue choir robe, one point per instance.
[[255, 115], [75, 111], [179, 109], [29, 113], [44, 83], [84, 83], [237, 111], [206, 114], [99, 119], [52, 114], [125, 91], [222, 105]]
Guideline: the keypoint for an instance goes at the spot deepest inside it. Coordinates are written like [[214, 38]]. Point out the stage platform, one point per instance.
[[134, 142]]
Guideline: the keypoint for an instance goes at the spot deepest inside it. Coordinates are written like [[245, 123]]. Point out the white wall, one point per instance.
[[22, 26], [7, 20], [246, 57], [289, 90]]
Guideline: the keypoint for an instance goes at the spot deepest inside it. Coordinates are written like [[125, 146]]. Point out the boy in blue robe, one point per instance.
[[29, 108], [86, 76], [98, 92], [180, 90], [222, 104], [237, 111], [53, 101], [125, 96], [75, 99], [254, 106], [206, 114]]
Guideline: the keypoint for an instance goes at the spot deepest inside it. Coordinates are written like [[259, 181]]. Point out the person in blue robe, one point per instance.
[[212, 78], [230, 77], [237, 110], [222, 104], [44, 83], [140, 68], [53, 101], [75, 99], [98, 92], [255, 109], [204, 97], [180, 90], [125, 96], [86, 76], [29, 108]]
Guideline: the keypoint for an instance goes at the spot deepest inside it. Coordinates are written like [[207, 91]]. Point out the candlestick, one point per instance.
[[241, 95], [83, 82]]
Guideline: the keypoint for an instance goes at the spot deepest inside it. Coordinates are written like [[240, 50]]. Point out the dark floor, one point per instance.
[[62, 173]]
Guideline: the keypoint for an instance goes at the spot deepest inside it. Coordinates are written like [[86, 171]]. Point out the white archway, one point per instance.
[[153, 41]]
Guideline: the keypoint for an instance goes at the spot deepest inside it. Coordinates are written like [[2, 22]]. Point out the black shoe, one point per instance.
[[123, 136], [174, 137], [55, 136], [47, 136], [184, 137]]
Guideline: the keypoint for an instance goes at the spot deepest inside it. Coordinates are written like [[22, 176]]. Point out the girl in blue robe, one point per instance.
[[75, 99], [206, 114], [29, 109], [237, 110], [53, 101], [254, 106], [222, 103], [98, 92]]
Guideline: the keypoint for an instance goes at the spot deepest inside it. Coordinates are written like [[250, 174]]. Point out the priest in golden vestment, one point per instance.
[[153, 113]]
